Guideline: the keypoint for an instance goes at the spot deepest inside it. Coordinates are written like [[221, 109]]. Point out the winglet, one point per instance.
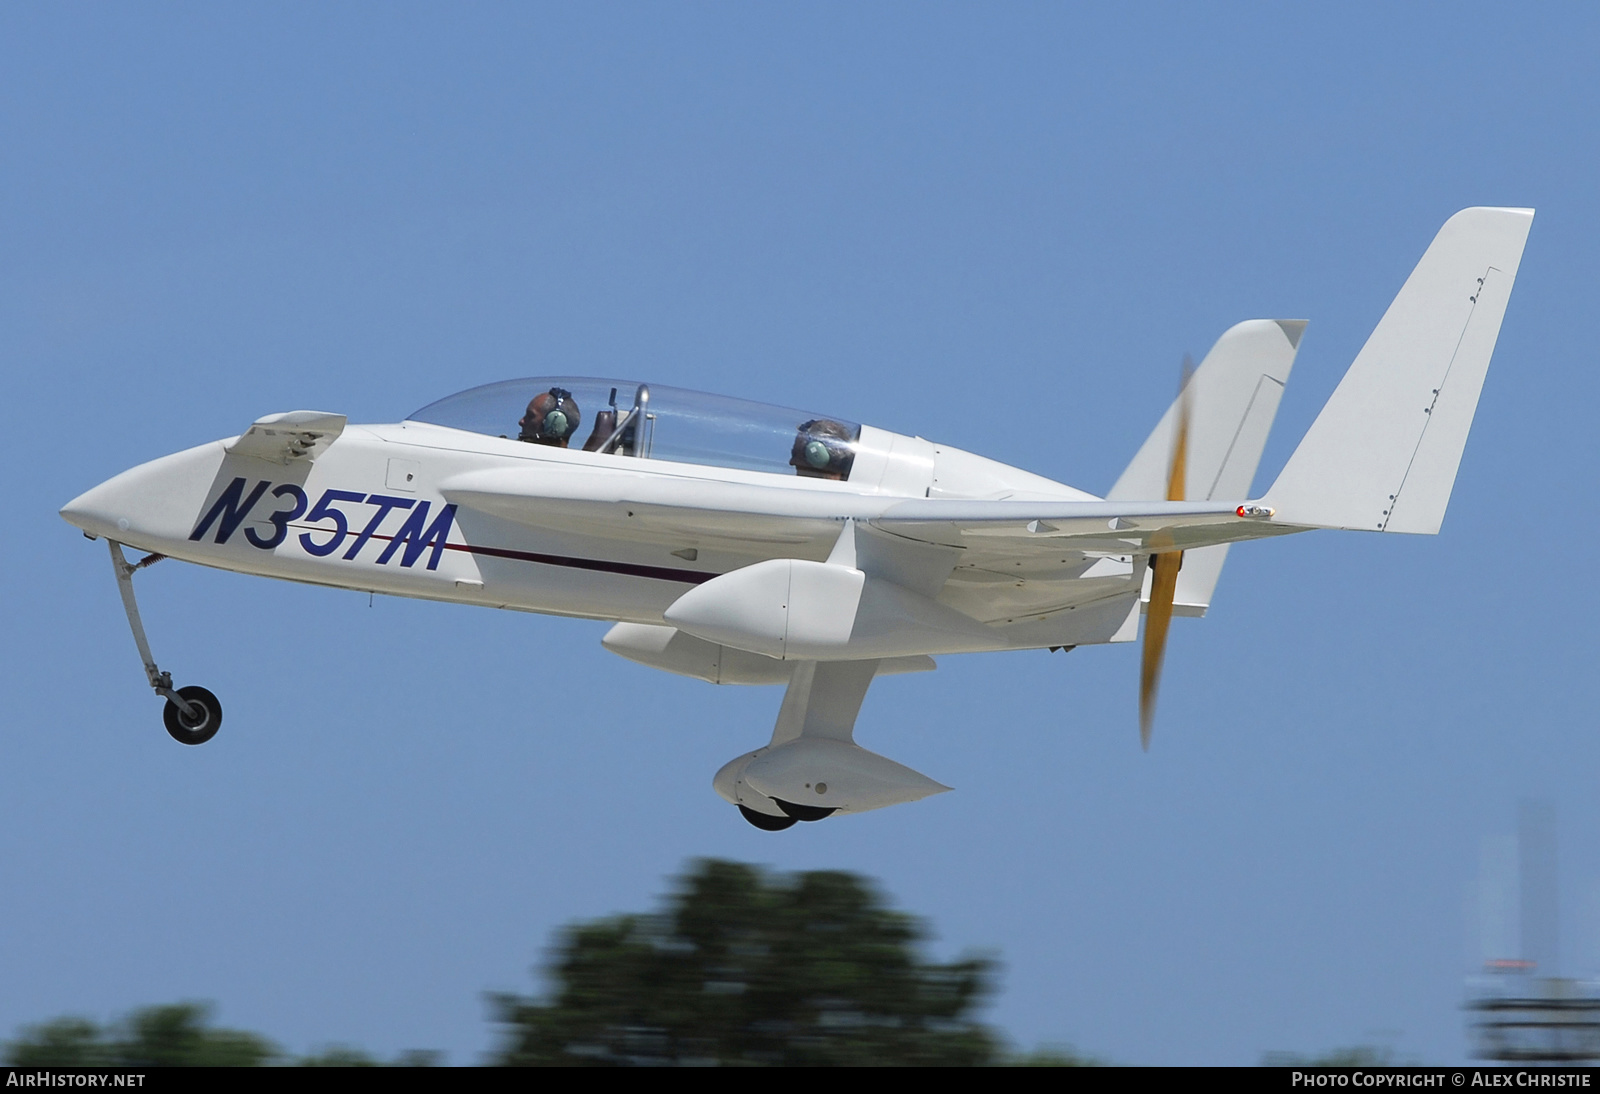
[[1382, 455], [1235, 396]]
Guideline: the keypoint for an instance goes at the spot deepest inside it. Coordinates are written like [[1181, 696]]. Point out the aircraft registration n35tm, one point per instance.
[[748, 544]]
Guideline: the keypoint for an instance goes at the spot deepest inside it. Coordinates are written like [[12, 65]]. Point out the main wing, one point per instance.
[[1024, 531], [1003, 563], [664, 503]]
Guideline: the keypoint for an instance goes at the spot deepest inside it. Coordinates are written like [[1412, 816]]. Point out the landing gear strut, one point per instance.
[[192, 714]]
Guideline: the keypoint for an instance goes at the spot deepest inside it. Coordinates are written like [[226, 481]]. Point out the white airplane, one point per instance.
[[749, 544]]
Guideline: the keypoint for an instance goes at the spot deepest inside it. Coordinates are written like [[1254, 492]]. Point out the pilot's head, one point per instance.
[[552, 418], [822, 450]]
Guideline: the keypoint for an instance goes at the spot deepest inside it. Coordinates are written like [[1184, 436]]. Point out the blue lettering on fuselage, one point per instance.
[[415, 540], [231, 509], [414, 536]]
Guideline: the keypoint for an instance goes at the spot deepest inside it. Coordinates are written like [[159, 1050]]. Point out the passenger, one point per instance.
[[552, 418], [823, 449]]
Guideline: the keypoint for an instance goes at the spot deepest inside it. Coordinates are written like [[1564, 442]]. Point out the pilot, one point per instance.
[[552, 418], [822, 450]]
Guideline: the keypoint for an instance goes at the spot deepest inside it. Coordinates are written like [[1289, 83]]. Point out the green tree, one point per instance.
[[176, 1035], [60, 1042], [742, 967]]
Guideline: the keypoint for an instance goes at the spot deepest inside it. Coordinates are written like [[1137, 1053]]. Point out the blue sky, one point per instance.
[[997, 227]]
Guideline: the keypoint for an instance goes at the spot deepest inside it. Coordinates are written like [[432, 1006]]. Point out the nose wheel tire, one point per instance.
[[200, 726]]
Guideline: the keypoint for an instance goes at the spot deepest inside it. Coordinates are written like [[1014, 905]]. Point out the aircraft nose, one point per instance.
[[98, 511], [153, 502]]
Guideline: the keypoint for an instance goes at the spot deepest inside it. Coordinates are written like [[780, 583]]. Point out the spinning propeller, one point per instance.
[[1165, 562]]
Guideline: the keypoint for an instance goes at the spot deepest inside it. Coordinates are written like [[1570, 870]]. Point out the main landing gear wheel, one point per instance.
[[765, 822], [201, 725], [805, 812]]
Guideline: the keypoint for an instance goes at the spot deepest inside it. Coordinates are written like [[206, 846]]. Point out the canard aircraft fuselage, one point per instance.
[[748, 544]]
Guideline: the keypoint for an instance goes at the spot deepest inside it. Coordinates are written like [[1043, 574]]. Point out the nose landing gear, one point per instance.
[[192, 715]]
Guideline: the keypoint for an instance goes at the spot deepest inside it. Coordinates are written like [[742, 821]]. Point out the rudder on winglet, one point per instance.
[[1382, 455]]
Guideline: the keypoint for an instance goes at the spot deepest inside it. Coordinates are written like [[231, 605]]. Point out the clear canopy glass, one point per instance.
[[649, 421]]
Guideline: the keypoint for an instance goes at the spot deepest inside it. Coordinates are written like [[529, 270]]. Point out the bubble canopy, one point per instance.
[[652, 421]]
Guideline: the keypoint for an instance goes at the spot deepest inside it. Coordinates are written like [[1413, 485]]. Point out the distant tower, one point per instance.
[[1537, 873], [1499, 906], [1520, 1010]]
